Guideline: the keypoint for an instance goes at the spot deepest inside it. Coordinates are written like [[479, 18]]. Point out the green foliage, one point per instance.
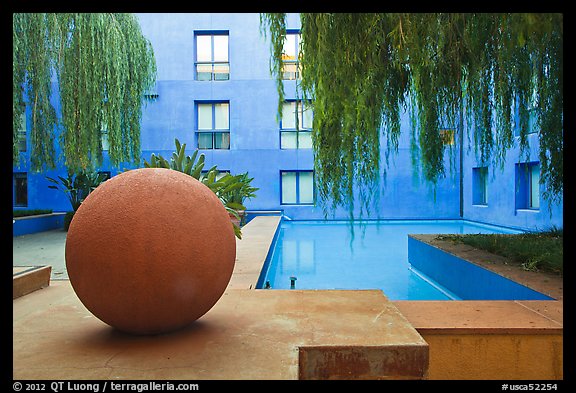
[[232, 190], [77, 186], [32, 62], [103, 67], [362, 70], [190, 165], [535, 251], [236, 190], [29, 212]]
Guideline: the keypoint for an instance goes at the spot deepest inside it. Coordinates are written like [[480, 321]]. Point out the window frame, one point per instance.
[[107, 175], [524, 193], [298, 72], [15, 177], [213, 131], [104, 137], [532, 119], [298, 118], [297, 190], [480, 180], [212, 63]]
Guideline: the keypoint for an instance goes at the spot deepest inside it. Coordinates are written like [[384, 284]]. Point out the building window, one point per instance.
[[20, 189], [212, 56], [291, 68], [296, 113], [297, 187], [22, 133], [447, 136], [480, 186], [528, 185], [213, 125]]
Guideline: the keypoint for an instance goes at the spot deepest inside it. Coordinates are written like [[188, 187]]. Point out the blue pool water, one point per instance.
[[325, 255]]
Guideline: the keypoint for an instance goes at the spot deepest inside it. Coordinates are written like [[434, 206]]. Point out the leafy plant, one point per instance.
[[239, 191], [76, 186], [235, 191], [30, 212], [231, 190], [537, 250]]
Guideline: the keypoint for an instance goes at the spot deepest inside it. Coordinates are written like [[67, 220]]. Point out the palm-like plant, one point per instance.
[[236, 191], [76, 186]]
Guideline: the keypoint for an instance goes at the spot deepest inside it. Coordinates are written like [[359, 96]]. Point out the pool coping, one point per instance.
[[252, 251]]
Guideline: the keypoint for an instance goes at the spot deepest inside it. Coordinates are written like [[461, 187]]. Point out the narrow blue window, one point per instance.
[[291, 68], [480, 186], [528, 185]]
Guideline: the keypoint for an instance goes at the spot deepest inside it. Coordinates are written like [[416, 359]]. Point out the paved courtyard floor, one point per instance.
[[43, 248]]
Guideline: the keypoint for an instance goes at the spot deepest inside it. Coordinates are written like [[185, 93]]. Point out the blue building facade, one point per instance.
[[215, 93]]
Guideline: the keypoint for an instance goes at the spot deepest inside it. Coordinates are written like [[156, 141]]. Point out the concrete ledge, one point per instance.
[[483, 317], [490, 339], [248, 334], [26, 279], [38, 223], [252, 250]]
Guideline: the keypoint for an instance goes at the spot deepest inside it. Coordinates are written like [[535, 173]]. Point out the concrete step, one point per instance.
[[26, 279]]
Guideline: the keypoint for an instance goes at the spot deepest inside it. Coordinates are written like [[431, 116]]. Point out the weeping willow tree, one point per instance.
[[102, 65], [486, 74]]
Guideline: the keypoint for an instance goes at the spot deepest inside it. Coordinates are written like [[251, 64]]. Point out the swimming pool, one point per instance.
[[325, 255]]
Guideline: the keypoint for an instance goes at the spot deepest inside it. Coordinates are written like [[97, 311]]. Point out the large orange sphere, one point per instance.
[[150, 250]]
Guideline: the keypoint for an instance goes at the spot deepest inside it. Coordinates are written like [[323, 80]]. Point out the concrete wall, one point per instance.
[[39, 223], [255, 136], [504, 356]]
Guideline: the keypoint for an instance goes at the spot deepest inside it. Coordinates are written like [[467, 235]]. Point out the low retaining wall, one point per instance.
[[468, 280], [488, 339], [40, 223]]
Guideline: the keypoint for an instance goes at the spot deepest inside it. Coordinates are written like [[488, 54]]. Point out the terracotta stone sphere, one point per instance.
[[150, 251]]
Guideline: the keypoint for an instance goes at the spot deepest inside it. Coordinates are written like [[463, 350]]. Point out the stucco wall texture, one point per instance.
[[495, 356]]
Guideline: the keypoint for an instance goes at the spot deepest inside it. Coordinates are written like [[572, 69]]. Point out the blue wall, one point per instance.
[[34, 224], [255, 136], [466, 280], [503, 183]]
